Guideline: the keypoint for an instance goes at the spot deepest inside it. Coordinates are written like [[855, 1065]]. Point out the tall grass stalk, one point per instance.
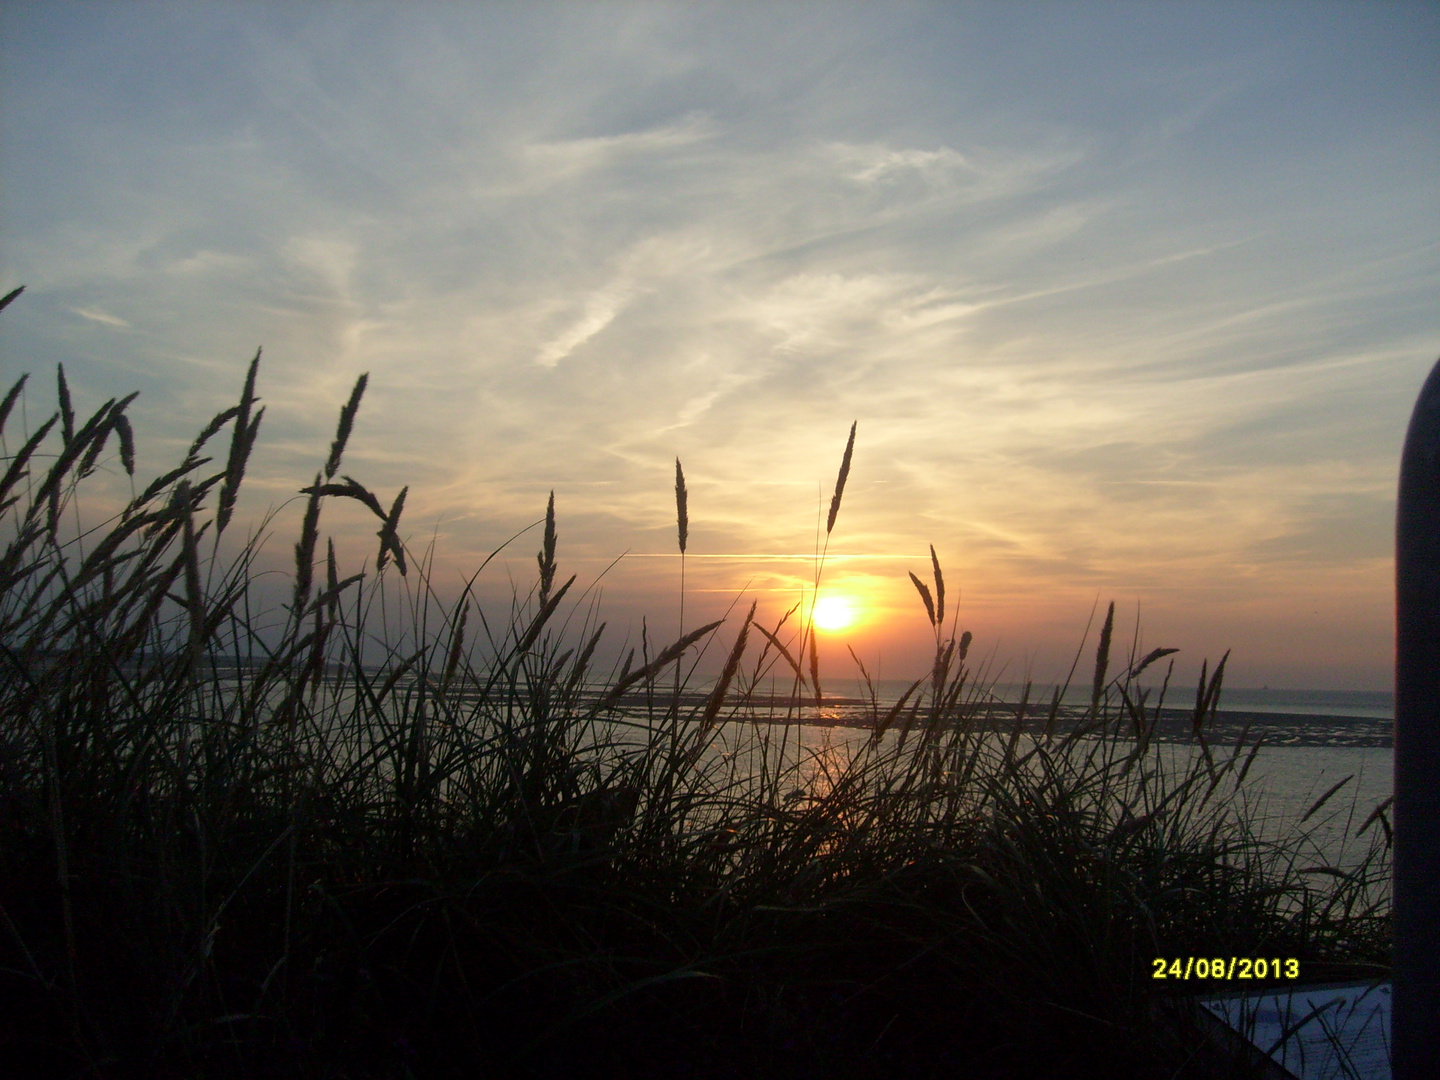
[[682, 528]]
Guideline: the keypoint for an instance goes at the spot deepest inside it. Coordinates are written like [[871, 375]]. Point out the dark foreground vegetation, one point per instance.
[[482, 858]]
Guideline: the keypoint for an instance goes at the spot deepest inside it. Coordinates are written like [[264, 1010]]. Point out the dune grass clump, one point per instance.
[[228, 853]]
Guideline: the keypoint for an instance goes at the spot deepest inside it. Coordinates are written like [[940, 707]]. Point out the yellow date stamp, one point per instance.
[[1226, 968]]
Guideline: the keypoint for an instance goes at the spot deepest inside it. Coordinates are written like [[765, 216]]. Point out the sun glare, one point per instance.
[[835, 612]]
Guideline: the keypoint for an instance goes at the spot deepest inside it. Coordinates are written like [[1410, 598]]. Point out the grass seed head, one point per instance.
[[218, 421], [925, 596], [242, 439], [9, 402], [305, 549], [546, 556], [347, 421], [722, 687], [17, 468], [682, 512], [1102, 658], [389, 537], [67, 411], [840, 480], [457, 642], [127, 442], [939, 587]]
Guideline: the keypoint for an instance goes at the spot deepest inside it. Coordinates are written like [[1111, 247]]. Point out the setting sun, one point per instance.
[[835, 612]]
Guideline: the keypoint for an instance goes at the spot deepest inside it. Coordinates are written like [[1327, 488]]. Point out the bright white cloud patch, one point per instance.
[[600, 311], [880, 163], [101, 317]]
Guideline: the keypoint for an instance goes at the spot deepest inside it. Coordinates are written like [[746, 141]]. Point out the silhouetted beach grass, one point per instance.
[[485, 858]]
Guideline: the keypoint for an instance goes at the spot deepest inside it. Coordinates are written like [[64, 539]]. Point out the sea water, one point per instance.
[[1309, 741]]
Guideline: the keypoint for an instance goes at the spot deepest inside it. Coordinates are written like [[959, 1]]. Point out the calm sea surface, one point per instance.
[[1310, 741]]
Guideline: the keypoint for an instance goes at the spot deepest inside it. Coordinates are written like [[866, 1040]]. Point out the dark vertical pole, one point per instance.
[[1415, 1021]]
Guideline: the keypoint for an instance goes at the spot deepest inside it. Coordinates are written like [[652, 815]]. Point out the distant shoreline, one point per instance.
[[1175, 725], [1279, 725]]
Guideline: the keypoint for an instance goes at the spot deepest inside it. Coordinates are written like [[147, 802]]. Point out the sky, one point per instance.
[[1128, 302]]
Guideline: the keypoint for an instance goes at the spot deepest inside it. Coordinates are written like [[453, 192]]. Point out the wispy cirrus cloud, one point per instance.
[[1125, 314], [101, 317]]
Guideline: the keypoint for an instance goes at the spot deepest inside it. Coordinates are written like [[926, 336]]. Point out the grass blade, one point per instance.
[[670, 653]]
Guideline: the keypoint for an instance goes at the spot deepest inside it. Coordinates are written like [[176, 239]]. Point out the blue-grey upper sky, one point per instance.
[[1130, 301]]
